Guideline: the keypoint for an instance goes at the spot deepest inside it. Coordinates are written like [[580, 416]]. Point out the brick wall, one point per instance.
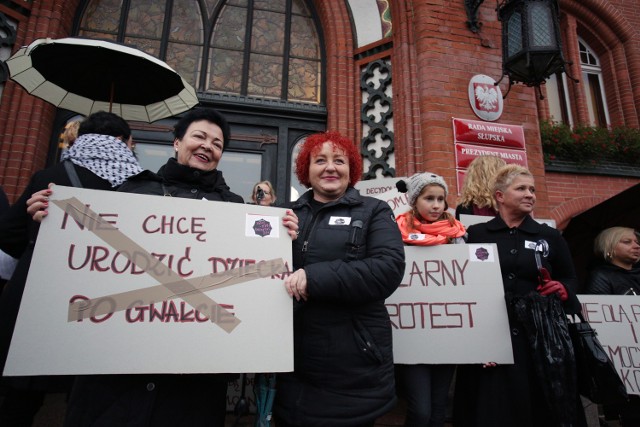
[[26, 122], [434, 55], [446, 55], [571, 194]]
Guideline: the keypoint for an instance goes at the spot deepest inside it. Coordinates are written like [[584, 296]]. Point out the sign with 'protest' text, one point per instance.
[[450, 307]]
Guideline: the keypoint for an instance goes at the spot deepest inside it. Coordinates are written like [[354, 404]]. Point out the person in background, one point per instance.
[[476, 196], [195, 400], [428, 223], [101, 159], [263, 194], [618, 273], [490, 395], [347, 260], [70, 133]]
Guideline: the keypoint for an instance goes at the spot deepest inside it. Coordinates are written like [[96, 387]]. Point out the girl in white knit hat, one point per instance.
[[427, 224]]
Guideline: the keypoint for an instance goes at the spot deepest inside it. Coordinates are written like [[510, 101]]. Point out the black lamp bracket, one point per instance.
[[472, 7]]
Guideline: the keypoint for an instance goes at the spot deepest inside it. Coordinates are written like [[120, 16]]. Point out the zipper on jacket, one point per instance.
[[354, 242], [314, 219], [305, 244]]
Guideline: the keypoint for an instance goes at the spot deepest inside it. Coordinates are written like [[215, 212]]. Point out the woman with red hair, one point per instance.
[[347, 260]]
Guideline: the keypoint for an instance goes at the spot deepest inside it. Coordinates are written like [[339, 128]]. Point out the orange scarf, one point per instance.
[[436, 233]]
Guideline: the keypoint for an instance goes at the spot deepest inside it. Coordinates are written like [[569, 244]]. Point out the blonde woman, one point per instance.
[[476, 197], [70, 133], [263, 194], [490, 395], [619, 248]]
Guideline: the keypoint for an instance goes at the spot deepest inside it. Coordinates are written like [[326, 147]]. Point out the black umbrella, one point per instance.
[[86, 75], [552, 354], [621, 210]]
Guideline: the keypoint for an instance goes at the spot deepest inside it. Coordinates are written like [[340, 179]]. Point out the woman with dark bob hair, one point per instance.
[[347, 260], [194, 400]]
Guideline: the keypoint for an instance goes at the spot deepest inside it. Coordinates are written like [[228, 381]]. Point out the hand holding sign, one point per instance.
[[92, 304]]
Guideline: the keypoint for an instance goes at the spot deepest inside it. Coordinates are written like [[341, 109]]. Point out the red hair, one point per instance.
[[313, 145]]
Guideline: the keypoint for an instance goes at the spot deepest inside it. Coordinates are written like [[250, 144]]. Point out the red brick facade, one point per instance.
[[433, 56]]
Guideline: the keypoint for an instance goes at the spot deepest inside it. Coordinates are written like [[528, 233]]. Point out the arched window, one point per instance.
[[255, 48], [281, 58], [591, 80], [594, 87]]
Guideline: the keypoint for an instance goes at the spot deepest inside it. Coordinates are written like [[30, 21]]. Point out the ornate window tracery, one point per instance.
[[250, 48]]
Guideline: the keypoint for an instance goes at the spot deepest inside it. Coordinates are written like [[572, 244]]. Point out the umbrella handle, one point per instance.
[[111, 95]]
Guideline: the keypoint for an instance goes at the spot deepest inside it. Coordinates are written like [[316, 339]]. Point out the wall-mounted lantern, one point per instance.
[[472, 6], [531, 44]]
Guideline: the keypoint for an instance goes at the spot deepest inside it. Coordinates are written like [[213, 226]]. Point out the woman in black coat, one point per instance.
[[618, 274], [348, 258], [193, 400], [493, 395], [102, 159], [618, 249]]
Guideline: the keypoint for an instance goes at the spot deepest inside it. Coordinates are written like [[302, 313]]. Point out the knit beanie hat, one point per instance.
[[418, 181]]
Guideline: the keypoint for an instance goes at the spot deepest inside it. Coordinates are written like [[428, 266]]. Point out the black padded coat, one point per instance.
[[609, 279], [510, 395], [353, 256]]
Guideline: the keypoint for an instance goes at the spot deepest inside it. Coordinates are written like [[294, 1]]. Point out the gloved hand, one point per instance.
[[549, 286]]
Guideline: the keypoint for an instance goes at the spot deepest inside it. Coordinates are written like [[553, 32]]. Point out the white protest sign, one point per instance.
[[450, 307], [385, 189], [616, 319], [129, 283]]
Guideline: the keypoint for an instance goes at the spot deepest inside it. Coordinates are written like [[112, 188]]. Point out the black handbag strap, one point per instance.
[[73, 175], [579, 316]]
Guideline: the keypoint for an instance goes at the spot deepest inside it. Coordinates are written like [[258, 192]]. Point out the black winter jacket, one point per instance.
[[511, 395], [353, 257], [610, 279]]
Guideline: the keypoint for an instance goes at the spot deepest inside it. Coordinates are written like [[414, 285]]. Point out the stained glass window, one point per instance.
[[146, 19], [262, 68], [260, 48], [101, 19], [186, 40]]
